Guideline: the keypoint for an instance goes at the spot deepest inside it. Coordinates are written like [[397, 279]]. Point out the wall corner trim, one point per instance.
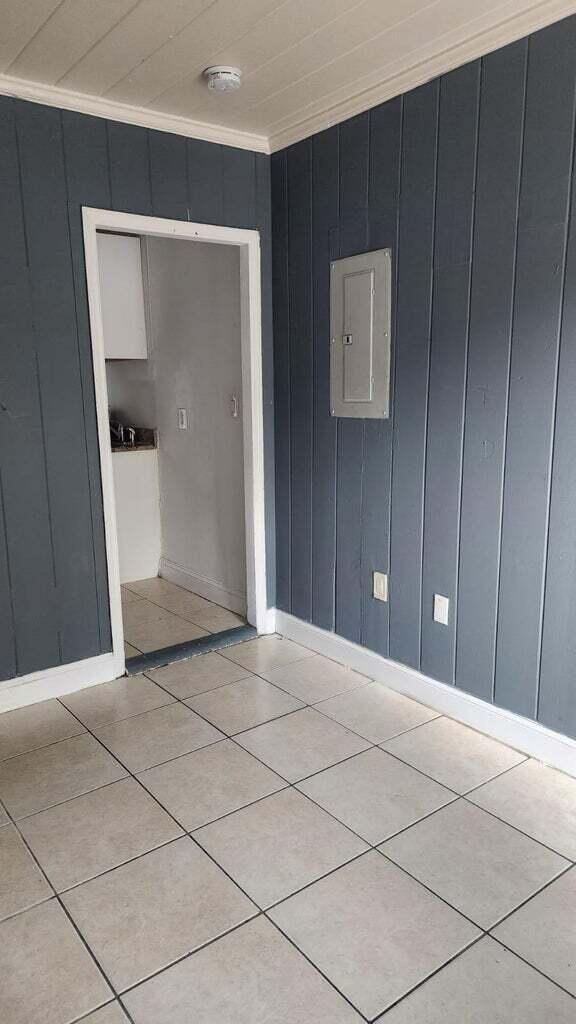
[[145, 117], [57, 681], [553, 748]]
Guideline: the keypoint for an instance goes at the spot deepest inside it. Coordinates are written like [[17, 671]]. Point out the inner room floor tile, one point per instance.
[[47, 974], [35, 726], [141, 612], [252, 976], [375, 794], [157, 736], [130, 651], [543, 931], [209, 783], [93, 833], [154, 588], [539, 801], [164, 632], [110, 702], [22, 884], [215, 619], [128, 596], [278, 845], [37, 780], [315, 678], [373, 931], [266, 652], [376, 712], [243, 704], [485, 985], [479, 865], [144, 915], [301, 743], [453, 754], [198, 674]]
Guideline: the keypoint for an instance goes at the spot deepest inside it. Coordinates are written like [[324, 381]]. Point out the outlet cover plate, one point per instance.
[[441, 609], [380, 586]]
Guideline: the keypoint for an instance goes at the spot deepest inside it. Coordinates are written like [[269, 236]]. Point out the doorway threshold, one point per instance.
[[190, 649]]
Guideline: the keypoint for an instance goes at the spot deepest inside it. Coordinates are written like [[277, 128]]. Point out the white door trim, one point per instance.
[[248, 242]]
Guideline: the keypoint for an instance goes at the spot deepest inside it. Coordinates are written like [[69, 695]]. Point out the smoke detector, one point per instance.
[[222, 78]]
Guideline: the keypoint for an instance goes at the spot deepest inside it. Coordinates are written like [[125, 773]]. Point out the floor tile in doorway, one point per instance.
[[198, 674]]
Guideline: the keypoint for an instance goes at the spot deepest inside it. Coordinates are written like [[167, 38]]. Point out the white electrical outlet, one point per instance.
[[182, 419], [380, 586], [441, 609]]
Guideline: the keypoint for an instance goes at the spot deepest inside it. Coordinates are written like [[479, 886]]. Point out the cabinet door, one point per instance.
[[122, 293]]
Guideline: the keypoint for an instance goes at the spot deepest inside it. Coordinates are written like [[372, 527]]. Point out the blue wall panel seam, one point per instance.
[[466, 363]]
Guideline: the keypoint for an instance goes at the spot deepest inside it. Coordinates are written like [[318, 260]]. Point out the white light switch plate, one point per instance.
[[182, 419], [441, 609], [380, 586]]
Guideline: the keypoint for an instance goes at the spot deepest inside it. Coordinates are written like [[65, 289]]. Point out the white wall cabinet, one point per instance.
[[122, 294]]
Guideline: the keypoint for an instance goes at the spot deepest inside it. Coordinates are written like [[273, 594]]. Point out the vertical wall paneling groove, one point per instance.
[[87, 182], [412, 354], [354, 172], [205, 192], [281, 377], [239, 187], [53, 575], [129, 168], [29, 629], [459, 96], [299, 170], [544, 191], [325, 241], [557, 693], [385, 145], [168, 175], [53, 307], [494, 253]]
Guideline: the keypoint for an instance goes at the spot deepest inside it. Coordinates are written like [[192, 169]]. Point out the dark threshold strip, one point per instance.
[[179, 652]]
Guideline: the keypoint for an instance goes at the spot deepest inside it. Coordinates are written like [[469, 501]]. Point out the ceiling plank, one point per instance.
[[139, 35], [20, 21], [71, 32]]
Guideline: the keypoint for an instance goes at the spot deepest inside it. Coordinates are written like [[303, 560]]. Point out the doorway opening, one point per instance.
[[176, 339]]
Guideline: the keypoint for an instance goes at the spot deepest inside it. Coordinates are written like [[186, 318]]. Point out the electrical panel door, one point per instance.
[[360, 295]]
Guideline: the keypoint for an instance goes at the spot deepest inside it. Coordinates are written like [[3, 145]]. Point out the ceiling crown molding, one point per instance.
[[52, 96], [425, 65], [428, 62]]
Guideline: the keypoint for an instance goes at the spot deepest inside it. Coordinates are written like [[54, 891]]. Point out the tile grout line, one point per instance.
[[294, 785]]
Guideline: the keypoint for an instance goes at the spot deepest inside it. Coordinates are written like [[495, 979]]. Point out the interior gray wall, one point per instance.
[[53, 583], [196, 362], [469, 489]]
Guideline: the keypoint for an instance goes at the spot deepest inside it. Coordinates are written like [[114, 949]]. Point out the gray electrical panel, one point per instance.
[[360, 296]]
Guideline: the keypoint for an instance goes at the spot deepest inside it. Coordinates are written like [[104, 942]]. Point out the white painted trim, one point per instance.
[[97, 106], [55, 682], [530, 737], [420, 66], [248, 242], [212, 590]]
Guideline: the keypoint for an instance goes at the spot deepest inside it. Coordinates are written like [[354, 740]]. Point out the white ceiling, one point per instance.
[[305, 63]]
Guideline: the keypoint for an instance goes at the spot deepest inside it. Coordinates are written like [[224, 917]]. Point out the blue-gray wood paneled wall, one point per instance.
[[469, 489], [53, 582]]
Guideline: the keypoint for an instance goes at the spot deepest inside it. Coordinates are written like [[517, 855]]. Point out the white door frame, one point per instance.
[[248, 243]]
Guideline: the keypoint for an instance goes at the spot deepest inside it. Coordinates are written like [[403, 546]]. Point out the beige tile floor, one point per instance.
[[261, 836], [157, 614]]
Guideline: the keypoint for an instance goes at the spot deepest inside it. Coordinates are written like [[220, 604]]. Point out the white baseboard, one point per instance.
[[212, 590], [57, 681], [553, 748]]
